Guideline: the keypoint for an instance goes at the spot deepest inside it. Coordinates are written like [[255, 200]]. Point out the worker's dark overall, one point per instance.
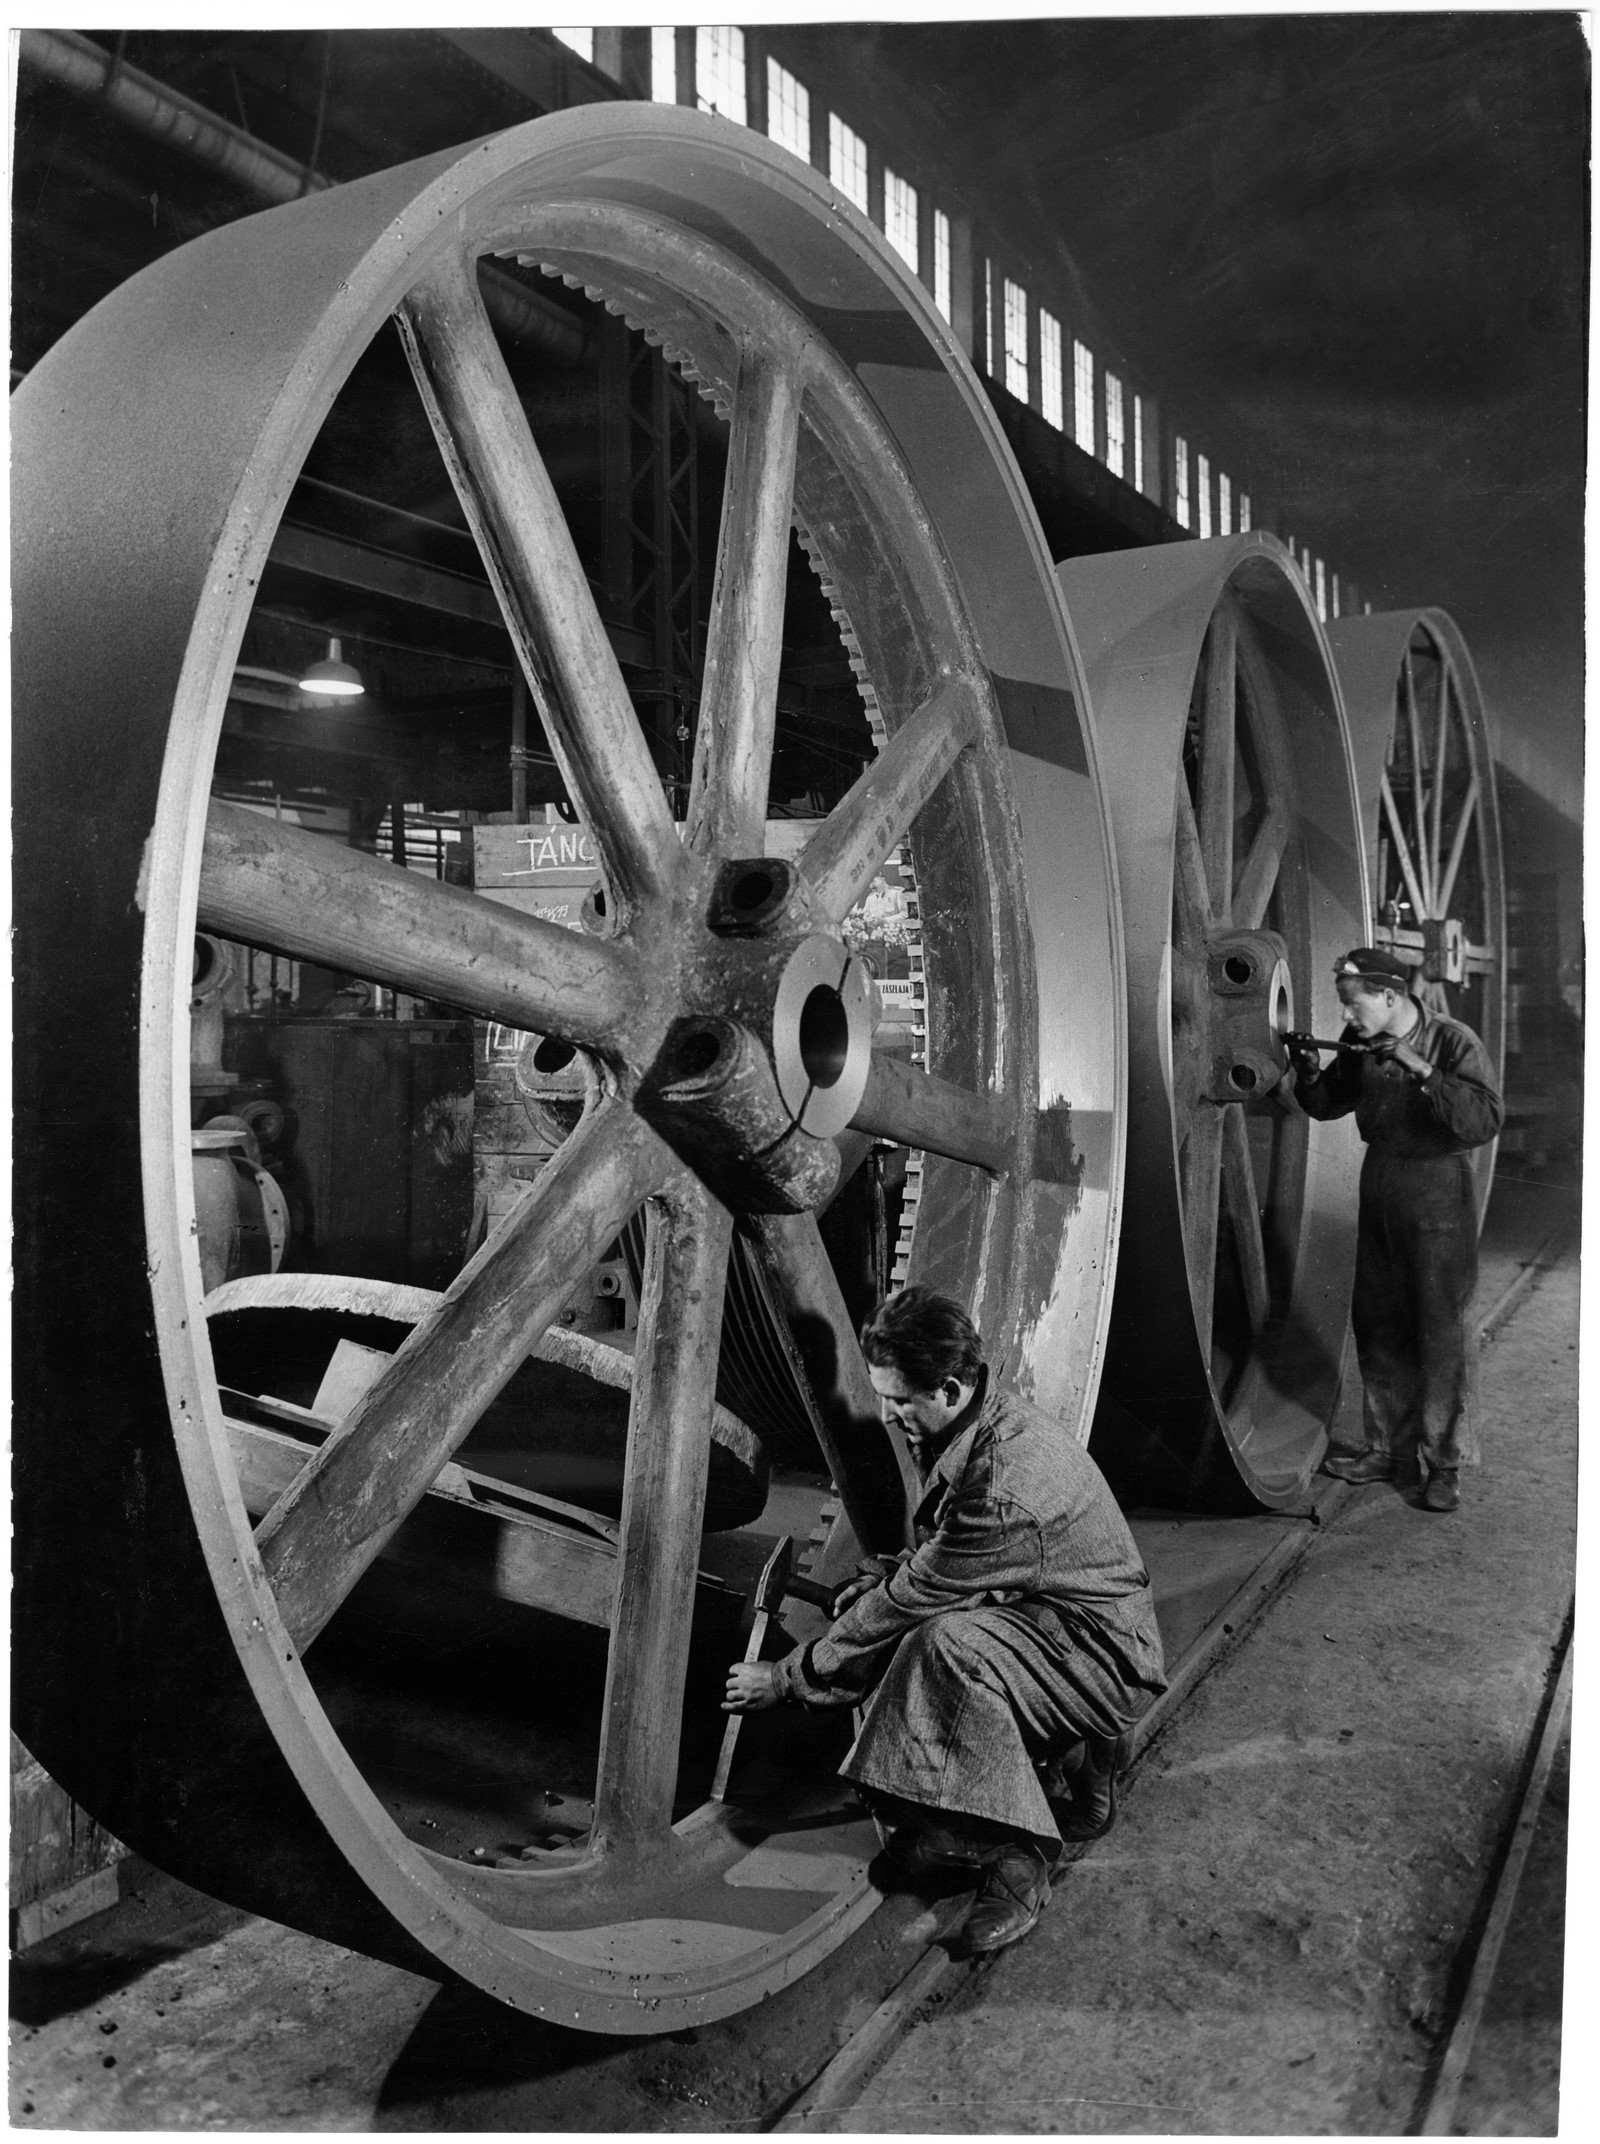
[[1417, 1235]]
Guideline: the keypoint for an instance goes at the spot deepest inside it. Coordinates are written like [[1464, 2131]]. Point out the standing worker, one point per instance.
[[1423, 1093], [1002, 1661]]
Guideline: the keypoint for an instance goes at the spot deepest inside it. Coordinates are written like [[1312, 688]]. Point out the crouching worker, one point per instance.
[[1002, 1661]]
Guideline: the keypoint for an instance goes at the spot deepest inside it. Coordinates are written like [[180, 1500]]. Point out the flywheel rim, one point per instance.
[[1390, 664], [1173, 1403], [418, 215]]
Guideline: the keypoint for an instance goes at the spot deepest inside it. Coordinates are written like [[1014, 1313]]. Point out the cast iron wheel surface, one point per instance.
[[159, 1638], [1227, 765], [1431, 818]]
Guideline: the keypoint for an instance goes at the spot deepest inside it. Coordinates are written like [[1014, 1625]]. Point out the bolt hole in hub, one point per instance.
[[551, 1056], [1243, 1078], [1238, 969], [751, 890], [697, 1052]]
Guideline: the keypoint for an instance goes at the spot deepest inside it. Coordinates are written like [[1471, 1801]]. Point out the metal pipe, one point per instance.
[[165, 115]]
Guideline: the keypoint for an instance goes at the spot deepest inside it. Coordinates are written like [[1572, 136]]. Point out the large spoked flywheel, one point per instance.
[[1430, 816], [1239, 856], [162, 1641]]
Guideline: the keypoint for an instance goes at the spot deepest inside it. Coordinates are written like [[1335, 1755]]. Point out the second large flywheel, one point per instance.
[[1430, 817], [169, 1652], [1239, 854]]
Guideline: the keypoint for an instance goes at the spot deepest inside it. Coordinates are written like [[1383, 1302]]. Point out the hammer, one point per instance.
[[777, 1583]]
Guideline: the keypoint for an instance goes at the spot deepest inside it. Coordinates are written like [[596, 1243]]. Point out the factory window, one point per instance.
[[1138, 442], [900, 217], [1322, 591], [1224, 505], [1202, 485], [580, 41], [1244, 511], [1050, 370], [719, 72], [847, 161], [941, 261], [1336, 595], [1116, 436], [664, 66], [788, 111], [1180, 481], [988, 318], [1016, 340], [1083, 396]]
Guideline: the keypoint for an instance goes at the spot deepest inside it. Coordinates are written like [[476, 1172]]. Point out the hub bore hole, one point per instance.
[[1242, 1077], [1237, 968], [824, 1036], [552, 1056], [751, 891], [697, 1053]]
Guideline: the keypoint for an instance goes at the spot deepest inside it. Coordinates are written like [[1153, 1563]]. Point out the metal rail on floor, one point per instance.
[[1439, 2115], [1522, 1283], [937, 1975]]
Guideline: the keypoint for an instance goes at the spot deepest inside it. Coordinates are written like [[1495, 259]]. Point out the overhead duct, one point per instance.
[[166, 116]]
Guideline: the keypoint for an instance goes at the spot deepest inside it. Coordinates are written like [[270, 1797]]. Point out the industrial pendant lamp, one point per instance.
[[333, 678]]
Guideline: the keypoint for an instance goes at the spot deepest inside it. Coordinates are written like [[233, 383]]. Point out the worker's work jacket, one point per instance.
[[1022, 1620], [1455, 1108]]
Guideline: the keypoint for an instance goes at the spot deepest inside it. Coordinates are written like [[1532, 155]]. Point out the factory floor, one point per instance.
[[1271, 1941]]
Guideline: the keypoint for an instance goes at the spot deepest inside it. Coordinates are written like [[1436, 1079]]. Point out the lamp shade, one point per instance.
[[333, 678]]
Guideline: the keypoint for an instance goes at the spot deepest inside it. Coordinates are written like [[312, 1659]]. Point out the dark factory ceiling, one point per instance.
[[1358, 242], [1362, 240]]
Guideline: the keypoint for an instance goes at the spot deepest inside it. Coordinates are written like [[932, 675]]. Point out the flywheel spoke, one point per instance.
[[328, 1526], [843, 857], [744, 641], [1217, 763], [288, 891], [1418, 844], [1193, 898], [1458, 845], [1259, 875], [1402, 849], [916, 1109], [669, 1444], [1244, 1212], [870, 1465], [1436, 828], [513, 511], [1201, 1169]]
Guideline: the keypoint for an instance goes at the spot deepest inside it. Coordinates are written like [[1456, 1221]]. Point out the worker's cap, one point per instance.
[[1373, 965]]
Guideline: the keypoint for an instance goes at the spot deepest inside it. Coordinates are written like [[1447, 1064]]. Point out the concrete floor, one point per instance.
[[1263, 1945]]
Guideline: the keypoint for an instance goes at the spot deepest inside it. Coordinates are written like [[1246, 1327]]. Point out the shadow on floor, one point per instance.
[[156, 1918], [466, 2045]]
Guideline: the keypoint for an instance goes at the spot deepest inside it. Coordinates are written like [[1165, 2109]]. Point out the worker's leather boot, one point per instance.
[[1443, 1492], [1370, 1465], [1016, 1889], [1081, 1787], [932, 1852]]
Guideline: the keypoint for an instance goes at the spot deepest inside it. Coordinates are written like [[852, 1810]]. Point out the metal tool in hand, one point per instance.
[[778, 1582], [1297, 1041]]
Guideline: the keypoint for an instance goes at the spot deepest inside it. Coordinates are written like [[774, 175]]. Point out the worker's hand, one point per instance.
[[752, 1686], [853, 1589], [1306, 1062], [1391, 1050]]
